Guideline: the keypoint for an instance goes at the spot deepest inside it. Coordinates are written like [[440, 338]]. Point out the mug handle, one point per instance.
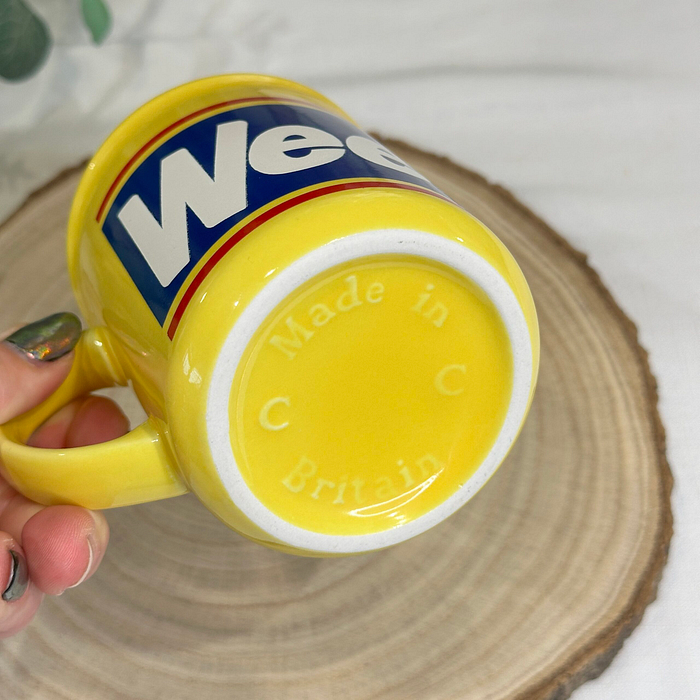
[[134, 468]]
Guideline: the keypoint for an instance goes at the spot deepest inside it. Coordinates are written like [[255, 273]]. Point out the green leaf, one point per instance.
[[24, 40], [97, 18]]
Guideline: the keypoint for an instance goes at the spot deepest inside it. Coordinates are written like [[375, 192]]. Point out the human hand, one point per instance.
[[45, 550]]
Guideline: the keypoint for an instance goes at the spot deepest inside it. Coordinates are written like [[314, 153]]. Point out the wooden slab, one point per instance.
[[526, 593]]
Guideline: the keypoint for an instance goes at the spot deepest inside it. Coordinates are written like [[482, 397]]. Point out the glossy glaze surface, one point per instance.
[[371, 395], [172, 376]]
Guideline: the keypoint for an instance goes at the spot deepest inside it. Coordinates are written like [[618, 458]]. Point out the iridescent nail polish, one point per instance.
[[49, 338], [19, 578]]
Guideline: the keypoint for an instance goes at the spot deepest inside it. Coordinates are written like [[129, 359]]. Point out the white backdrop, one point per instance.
[[588, 111]]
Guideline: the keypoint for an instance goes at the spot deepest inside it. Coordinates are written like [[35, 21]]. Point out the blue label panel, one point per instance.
[[200, 141]]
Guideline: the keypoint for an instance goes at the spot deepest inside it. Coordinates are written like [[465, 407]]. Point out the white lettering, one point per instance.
[[184, 183], [271, 152], [374, 152]]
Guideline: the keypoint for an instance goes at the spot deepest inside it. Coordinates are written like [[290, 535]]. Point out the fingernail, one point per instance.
[[49, 338], [88, 567], [19, 578]]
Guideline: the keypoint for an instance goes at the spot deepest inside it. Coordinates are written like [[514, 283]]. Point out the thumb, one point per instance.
[[34, 361]]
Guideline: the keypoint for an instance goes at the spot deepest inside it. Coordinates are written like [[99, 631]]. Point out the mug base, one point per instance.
[[368, 391]]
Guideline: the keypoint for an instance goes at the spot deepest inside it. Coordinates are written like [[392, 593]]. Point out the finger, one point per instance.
[[16, 511], [85, 421], [52, 433], [20, 597], [97, 420], [64, 546], [34, 360]]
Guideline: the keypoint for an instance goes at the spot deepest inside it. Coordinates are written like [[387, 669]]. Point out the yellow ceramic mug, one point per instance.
[[333, 355]]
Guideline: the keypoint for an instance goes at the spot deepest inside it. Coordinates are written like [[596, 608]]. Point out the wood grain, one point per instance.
[[527, 592]]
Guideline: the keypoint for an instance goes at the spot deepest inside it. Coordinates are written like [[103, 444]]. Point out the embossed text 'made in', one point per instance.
[[364, 398]]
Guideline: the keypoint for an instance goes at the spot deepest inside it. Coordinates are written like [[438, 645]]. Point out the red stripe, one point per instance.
[[170, 128], [266, 216]]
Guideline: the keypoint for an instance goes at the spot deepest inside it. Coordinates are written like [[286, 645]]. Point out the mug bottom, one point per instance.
[[369, 390]]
